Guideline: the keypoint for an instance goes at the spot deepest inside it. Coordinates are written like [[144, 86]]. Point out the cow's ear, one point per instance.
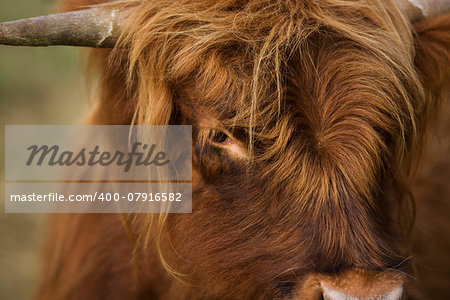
[[432, 60]]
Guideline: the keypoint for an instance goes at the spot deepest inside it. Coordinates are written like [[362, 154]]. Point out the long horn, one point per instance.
[[416, 10], [95, 27]]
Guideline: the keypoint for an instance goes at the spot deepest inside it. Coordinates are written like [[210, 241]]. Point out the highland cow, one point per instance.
[[310, 150]]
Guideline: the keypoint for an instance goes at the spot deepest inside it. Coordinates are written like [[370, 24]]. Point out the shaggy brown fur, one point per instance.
[[329, 101]]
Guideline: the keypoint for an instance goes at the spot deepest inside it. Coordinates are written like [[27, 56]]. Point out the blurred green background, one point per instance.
[[37, 86]]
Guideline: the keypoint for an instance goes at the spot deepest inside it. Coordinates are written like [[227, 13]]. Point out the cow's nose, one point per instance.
[[332, 294], [356, 284]]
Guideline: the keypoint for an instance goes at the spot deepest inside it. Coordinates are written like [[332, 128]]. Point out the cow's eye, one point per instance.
[[219, 137], [226, 141]]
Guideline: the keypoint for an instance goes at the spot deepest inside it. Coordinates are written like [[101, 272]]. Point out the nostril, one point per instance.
[[286, 287]]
